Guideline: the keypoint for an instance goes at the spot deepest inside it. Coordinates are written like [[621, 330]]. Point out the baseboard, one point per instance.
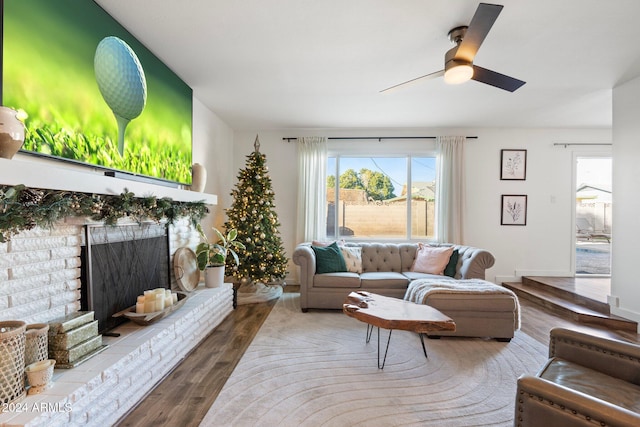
[[503, 279], [520, 273], [627, 314], [546, 273]]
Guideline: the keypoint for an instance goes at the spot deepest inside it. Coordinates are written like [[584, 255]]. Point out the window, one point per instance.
[[381, 197]]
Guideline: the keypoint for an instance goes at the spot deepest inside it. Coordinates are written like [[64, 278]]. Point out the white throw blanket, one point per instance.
[[419, 290]]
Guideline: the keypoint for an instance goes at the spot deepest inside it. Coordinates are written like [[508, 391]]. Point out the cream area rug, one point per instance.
[[315, 369]]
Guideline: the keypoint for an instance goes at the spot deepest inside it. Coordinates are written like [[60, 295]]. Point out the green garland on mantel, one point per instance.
[[23, 208]]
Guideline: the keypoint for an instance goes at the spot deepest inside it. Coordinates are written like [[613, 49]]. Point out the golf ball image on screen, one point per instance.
[[121, 81]]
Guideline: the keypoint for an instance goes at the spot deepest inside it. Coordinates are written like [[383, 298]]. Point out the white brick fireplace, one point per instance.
[[40, 281]]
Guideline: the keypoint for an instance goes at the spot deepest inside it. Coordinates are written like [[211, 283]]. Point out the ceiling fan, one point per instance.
[[458, 61]]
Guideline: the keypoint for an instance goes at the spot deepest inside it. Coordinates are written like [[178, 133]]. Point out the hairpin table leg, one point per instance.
[[424, 349], [385, 351], [368, 338]]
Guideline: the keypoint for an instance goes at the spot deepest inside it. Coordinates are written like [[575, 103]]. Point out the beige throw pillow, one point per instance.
[[353, 258], [431, 259]]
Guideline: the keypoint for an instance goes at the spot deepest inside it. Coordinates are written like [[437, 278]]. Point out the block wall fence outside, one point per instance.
[[372, 219]]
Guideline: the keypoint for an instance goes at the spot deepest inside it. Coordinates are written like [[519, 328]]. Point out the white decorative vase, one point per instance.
[[11, 133], [214, 276], [198, 177]]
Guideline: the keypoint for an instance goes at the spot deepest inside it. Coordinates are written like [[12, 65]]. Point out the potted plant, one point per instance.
[[211, 257]]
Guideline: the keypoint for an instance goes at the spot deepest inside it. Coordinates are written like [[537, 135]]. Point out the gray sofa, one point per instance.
[[386, 270]]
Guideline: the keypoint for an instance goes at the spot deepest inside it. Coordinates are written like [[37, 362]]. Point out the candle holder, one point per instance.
[[39, 375]]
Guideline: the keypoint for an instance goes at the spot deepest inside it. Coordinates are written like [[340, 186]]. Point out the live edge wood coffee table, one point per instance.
[[393, 313]]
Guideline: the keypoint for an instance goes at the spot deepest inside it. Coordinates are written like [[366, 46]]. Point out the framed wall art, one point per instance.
[[514, 209], [513, 165]]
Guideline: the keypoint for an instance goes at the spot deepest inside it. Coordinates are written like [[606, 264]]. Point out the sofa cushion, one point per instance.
[[593, 383], [337, 280], [414, 275], [383, 280], [329, 259], [470, 302], [353, 258], [431, 260]]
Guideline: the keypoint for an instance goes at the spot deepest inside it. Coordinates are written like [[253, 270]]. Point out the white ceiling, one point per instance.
[[321, 63]]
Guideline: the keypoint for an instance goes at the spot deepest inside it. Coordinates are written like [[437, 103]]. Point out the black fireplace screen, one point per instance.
[[118, 264]]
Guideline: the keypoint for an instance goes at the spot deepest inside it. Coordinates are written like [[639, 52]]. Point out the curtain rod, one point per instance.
[[566, 144], [379, 138]]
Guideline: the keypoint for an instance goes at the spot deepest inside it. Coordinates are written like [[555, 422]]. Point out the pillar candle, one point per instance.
[[140, 308]]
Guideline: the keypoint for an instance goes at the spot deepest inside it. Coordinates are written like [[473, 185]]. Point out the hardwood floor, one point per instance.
[[185, 395]]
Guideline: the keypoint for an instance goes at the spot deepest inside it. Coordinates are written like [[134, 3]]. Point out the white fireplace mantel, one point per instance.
[[53, 176]]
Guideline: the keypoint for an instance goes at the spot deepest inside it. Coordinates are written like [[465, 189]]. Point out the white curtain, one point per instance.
[[450, 189], [312, 182]]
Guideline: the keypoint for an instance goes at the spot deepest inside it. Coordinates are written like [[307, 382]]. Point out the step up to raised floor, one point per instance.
[[568, 304]]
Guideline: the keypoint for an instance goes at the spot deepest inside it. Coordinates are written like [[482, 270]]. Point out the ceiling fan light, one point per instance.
[[458, 74]]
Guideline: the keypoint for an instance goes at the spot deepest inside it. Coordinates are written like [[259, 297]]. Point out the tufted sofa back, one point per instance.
[[381, 257], [399, 257]]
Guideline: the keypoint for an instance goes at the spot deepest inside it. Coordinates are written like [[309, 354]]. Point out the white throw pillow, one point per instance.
[[431, 259], [353, 258]]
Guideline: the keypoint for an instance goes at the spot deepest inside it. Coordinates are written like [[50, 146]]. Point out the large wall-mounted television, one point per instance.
[[92, 94]]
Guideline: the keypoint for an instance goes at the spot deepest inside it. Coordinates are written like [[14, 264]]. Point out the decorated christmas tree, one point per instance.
[[253, 215]]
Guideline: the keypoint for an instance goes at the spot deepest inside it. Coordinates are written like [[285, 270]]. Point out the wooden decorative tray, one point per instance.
[[145, 319]]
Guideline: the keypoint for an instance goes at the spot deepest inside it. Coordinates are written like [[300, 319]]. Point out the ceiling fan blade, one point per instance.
[[498, 80], [408, 82], [479, 27]]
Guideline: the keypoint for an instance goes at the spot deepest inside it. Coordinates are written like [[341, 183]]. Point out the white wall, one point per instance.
[[625, 292], [213, 148], [543, 246]]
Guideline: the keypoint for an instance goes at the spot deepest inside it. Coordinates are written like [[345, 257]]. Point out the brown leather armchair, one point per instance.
[[587, 381]]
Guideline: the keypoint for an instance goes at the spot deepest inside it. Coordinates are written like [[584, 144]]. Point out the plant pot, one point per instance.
[[214, 276]]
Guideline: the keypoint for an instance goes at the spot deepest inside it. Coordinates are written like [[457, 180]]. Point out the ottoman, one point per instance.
[[479, 308]]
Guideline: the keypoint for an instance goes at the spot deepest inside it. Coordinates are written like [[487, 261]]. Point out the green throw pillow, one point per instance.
[[329, 259], [450, 269]]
